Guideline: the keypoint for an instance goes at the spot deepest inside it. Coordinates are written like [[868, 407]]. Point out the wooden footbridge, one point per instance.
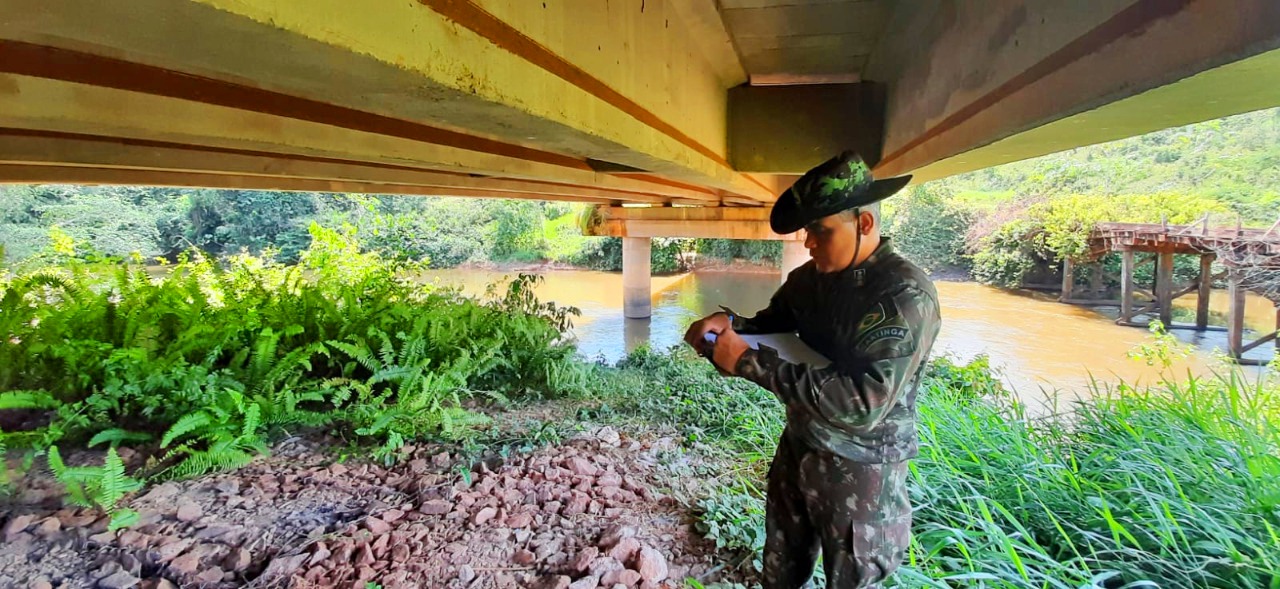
[[1250, 259]]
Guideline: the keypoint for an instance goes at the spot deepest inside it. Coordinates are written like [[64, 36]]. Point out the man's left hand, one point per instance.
[[728, 350]]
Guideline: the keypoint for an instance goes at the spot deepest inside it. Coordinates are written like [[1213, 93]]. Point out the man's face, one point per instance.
[[832, 241]]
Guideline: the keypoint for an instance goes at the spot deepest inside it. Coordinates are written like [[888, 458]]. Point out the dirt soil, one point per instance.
[[595, 511]]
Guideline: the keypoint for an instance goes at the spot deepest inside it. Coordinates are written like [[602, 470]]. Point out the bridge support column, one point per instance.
[[1068, 279], [1164, 288], [637, 301], [1235, 315], [1126, 286], [635, 334], [793, 256], [1206, 288]]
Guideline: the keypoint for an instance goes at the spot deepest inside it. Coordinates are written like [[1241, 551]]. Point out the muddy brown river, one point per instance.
[[1043, 349]]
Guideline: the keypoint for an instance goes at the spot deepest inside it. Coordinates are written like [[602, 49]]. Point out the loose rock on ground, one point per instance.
[[582, 514]]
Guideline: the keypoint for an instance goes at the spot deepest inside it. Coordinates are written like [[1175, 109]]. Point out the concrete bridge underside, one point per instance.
[[716, 104]]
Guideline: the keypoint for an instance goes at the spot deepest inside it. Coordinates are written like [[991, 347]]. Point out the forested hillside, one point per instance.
[[1002, 222]]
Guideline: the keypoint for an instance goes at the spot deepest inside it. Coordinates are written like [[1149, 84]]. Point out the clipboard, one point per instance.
[[788, 345]]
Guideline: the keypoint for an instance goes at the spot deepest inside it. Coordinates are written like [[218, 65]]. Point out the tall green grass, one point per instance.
[[1172, 486], [1176, 485]]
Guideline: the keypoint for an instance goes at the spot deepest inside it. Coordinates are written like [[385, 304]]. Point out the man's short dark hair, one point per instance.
[[850, 215]]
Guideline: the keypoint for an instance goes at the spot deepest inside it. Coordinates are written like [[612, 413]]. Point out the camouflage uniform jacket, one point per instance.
[[876, 323]]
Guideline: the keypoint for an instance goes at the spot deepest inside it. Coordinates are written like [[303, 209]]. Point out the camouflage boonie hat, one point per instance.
[[841, 183]]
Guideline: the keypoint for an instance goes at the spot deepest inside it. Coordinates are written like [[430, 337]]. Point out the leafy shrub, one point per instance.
[[209, 359], [666, 255], [929, 230], [1005, 257], [734, 519], [728, 250]]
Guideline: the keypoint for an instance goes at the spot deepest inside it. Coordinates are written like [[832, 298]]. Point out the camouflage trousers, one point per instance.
[[857, 514]]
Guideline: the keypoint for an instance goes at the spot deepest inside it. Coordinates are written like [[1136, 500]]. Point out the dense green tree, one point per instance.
[[929, 229]]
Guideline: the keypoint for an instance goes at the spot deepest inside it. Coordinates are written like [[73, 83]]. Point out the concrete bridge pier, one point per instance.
[[638, 225], [637, 282], [794, 255]]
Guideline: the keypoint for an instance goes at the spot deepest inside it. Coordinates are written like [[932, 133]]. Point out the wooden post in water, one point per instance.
[[1277, 340], [1068, 279], [1126, 286], [637, 297], [1206, 287], [1095, 282], [1164, 287], [1235, 315]]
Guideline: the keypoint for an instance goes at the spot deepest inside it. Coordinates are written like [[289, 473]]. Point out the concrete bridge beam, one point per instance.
[[561, 84], [977, 84], [699, 222]]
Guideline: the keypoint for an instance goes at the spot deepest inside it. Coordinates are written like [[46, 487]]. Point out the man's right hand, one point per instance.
[[696, 336]]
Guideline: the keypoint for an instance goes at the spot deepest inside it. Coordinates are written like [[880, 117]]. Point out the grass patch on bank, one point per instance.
[[1172, 486]]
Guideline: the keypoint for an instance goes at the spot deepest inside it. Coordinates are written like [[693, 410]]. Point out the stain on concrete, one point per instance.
[[9, 86], [1008, 28]]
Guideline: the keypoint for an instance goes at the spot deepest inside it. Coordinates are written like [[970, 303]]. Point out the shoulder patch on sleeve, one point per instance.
[[884, 327], [883, 334], [873, 318]]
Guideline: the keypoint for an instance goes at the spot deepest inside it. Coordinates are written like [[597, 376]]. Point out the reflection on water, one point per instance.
[[1036, 342], [1259, 313]]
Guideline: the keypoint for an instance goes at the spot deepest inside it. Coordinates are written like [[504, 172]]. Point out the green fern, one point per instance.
[[97, 486], [72, 481], [28, 400], [184, 426], [114, 484], [115, 436], [213, 356], [264, 353], [221, 456]]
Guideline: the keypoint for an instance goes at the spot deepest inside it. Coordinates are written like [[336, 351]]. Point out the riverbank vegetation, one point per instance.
[[205, 367], [441, 232], [1015, 223]]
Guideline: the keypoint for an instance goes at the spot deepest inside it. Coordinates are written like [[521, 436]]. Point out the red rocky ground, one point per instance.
[[577, 516]]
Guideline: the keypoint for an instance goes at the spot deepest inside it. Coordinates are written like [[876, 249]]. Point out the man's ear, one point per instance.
[[866, 222]]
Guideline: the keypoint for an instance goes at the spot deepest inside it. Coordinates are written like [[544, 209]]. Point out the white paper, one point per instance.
[[788, 345]]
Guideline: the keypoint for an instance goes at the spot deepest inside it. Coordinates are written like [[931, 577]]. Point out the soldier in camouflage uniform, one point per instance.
[[839, 479]]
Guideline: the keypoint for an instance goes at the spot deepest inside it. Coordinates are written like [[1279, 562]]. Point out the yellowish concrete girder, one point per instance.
[[976, 84], [1246, 85], [86, 151], [62, 174], [35, 105], [577, 86], [703, 222]]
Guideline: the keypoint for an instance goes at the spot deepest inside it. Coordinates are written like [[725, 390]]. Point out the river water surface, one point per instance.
[[1041, 347]]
